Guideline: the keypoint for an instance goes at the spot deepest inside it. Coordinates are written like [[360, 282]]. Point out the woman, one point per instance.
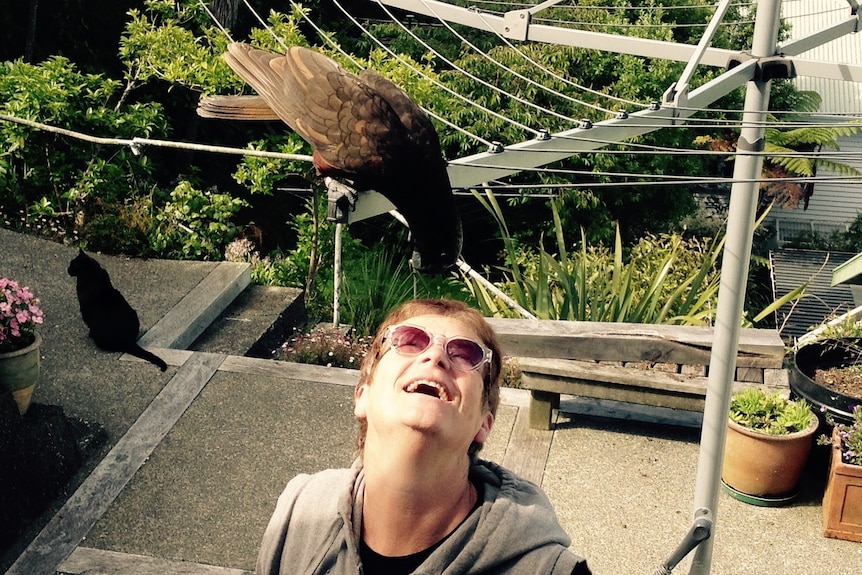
[[417, 499]]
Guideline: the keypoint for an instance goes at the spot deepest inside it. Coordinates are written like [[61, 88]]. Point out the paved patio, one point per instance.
[[197, 455]]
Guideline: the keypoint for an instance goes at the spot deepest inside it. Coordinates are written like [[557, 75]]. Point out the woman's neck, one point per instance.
[[412, 501]]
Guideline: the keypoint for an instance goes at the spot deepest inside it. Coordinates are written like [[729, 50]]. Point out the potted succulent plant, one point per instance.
[[842, 502], [19, 342], [769, 438]]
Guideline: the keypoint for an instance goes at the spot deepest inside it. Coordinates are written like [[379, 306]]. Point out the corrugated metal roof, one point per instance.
[[790, 269]]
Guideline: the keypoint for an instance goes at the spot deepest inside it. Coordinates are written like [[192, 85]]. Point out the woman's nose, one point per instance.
[[437, 351]]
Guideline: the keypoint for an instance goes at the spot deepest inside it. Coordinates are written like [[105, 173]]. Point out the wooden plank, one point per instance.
[[74, 520], [693, 370], [547, 379], [617, 392], [175, 357], [777, 379], [607, 341], [593, 372], [572, 406], [528, 449], [290, 370], [749, 374], [88, 561]]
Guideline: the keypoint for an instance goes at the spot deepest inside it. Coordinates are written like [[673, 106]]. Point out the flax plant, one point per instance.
[[667, 280]]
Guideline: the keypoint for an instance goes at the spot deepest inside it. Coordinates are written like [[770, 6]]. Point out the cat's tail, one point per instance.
[[140, 352]]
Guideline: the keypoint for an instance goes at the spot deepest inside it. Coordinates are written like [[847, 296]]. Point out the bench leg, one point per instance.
[[542, 406]]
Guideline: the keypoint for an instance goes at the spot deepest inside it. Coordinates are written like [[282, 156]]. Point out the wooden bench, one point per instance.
[[658, 365]]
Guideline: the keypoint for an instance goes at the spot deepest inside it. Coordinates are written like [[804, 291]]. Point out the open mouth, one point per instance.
[[431, 388]]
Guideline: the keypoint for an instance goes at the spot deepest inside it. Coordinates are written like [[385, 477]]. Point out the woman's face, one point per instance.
[[425, 394]]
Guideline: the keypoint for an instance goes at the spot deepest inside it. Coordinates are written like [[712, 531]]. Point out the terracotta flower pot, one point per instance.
[[764, 469], [19, 372], [842, 502]]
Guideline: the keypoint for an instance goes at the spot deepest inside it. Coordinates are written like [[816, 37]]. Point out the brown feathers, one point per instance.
[[363, 128]]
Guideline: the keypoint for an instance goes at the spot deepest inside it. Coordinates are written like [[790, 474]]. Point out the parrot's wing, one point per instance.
[[419, 128], [352, 128]]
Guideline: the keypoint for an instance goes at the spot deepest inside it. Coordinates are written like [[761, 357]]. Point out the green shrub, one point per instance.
[[380, 279], [47, 175], [195, 224]]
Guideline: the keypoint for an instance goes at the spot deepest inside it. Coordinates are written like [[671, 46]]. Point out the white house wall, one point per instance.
[[833, 207], [808, 16]]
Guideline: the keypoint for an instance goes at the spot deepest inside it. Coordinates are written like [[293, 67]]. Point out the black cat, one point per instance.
[[113, 323]]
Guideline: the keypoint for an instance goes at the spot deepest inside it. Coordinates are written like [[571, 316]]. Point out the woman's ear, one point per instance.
[[487, 424], [360, 393]]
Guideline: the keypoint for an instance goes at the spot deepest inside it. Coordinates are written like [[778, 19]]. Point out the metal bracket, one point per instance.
[[743, 145], [676, 96], [341, 200], [775, 67], [516, 24], [767, 68], [700, 531]]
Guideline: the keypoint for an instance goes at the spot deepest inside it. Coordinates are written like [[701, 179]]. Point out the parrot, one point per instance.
[[363, 129]]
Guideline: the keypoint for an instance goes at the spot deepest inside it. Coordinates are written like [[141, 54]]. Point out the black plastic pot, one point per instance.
[[819, 355]]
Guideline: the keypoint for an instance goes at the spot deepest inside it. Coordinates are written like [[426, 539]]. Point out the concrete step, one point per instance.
[[255, 323], [193, 314], [225, 313]]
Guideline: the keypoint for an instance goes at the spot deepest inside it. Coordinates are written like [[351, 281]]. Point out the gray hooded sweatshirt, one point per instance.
[[316, 529]]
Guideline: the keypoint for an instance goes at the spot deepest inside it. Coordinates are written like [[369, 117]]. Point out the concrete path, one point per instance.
[[197, 455]]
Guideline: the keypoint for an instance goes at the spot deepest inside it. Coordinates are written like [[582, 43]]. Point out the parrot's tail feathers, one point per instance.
[[235, 108]]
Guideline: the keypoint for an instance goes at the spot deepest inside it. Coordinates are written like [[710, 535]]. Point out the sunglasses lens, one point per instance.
[[465, 353], [409, 340]]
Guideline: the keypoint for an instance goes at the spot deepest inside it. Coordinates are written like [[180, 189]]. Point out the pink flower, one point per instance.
[[19, 315]]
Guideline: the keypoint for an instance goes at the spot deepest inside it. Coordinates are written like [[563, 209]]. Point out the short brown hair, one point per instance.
[[446, 308]]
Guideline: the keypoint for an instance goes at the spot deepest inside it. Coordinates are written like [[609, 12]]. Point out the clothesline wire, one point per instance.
[[683, 182], [502, 66], [425, 76], [672, 177], [136, 144], [563, 79], [475, 78]]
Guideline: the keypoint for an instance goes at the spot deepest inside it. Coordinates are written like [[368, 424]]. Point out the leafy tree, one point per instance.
[[49, 174]]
